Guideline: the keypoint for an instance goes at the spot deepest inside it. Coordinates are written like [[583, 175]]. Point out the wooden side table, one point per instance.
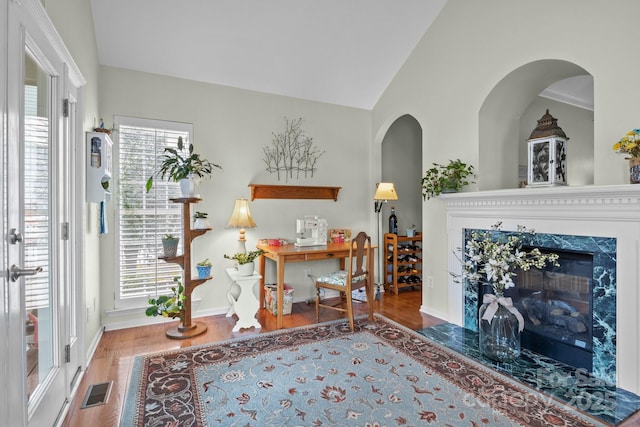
[[247, 304]]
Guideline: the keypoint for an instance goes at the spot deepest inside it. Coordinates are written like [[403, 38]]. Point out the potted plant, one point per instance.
[[245, 261], [168, 305], [170, 245], [204, 269], [630, 145], [183, 167], [200, 221], [446, 178]]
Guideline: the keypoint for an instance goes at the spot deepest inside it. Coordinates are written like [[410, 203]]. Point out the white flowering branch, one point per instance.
[[494, 258]]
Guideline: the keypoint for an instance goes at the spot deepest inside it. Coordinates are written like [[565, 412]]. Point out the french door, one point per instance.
[[39, 294]]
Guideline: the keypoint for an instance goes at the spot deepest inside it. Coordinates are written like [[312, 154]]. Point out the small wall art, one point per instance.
[[292, 154]]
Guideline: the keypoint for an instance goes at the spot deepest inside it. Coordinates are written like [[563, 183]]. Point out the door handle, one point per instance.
[[15, 236], [17, 272]]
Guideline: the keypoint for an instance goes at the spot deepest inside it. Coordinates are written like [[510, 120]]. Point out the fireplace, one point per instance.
[[569, 310], [556, 303], [565, 217]]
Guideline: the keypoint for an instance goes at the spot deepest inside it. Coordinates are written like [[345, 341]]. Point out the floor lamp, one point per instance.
[[385, 191]]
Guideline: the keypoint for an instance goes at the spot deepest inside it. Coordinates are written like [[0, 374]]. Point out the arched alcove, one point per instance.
[[509, 114], [402, 165]]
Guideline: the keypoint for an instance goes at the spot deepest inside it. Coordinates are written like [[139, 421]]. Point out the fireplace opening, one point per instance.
[[557, 306]]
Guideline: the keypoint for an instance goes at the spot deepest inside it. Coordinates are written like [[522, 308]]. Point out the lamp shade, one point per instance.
[[241, 216], [385, 191]]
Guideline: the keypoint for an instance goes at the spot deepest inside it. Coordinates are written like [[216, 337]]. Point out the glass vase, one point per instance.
[[500, 338]]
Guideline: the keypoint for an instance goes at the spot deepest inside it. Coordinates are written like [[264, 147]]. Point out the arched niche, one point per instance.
[[506, 119], [401, 164]]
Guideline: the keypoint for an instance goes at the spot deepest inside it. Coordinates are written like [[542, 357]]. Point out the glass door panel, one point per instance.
[[37, 228]]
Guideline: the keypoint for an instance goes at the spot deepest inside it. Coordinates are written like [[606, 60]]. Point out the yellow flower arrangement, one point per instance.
[[629, 144]]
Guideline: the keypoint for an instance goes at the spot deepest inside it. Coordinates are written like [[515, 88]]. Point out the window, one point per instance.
[[142, 218]]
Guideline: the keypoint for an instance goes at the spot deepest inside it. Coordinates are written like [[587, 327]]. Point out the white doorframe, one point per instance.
[[20, 19]]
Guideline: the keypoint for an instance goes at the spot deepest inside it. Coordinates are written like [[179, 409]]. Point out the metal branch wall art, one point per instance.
[[292, 152]]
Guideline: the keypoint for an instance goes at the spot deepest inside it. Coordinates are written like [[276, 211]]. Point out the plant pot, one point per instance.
[[201, 224], [188, 187], [634, 170], [450, 186], [170, 247], [204, 271], [246, 269], [499, 338]]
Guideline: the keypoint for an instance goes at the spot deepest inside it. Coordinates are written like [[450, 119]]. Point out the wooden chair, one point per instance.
[[346, 281]]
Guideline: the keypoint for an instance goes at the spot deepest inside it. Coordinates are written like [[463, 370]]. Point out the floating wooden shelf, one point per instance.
[[260, 191]]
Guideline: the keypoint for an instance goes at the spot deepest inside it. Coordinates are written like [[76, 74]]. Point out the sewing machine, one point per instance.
[[311, 231]]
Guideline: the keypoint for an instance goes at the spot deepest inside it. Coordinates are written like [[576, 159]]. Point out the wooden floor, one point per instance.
[[116, 351], [114, 356]]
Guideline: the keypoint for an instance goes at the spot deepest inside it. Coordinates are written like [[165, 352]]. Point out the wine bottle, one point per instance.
[[393, 221]]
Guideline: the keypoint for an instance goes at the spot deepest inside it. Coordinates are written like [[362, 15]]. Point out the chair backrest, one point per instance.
[[359, 253]]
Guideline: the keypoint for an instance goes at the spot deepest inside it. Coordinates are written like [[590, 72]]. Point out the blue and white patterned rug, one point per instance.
[[382, 374]]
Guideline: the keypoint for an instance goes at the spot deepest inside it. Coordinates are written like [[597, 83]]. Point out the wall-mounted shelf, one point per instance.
[[260, 191]]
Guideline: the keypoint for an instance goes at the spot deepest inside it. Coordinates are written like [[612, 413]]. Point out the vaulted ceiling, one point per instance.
[[337, 51], [343, 52]]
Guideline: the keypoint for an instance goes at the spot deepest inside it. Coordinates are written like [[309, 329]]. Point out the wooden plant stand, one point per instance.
[[187, 328]]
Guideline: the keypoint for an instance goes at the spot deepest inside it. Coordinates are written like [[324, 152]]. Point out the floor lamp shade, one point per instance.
[[384, 191]]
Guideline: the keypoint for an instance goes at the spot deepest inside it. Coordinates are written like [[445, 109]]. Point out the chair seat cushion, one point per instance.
[[339, 278]]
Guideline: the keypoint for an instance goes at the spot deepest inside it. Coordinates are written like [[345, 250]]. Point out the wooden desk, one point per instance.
[[291, 253]]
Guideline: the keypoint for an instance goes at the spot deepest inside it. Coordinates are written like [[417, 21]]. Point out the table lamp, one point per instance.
[[241, 218], [385, 191]]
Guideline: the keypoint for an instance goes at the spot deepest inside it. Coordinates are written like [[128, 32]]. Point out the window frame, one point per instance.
[[120, 302]]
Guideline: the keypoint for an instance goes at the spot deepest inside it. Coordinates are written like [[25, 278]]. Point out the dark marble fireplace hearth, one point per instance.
[[576, 387]]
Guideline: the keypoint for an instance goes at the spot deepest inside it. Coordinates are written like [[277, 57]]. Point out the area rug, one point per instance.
[[382, 374]]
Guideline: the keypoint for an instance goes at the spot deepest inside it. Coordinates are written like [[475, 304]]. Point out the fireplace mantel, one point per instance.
[[605, 211], [596, 200]]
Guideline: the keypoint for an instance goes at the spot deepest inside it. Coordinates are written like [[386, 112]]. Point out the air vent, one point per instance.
[[97, 394]]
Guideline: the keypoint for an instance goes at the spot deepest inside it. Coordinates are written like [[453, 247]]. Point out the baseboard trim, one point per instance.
[[145, 321], [440, 315]]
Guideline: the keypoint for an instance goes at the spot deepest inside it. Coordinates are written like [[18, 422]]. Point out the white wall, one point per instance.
[[231, 127], [470, 47], [74, 23], [464, 55]]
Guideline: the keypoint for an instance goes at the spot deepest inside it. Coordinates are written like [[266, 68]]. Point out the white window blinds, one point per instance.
[[144, 218]]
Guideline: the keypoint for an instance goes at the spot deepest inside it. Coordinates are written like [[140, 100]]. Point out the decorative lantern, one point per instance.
[[547, 159]]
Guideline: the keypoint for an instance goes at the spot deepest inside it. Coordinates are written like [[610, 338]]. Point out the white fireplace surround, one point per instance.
[[603, 211]]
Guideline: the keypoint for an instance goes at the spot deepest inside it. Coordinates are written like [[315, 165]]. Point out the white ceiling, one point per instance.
[[342, 52], [577, 91]]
